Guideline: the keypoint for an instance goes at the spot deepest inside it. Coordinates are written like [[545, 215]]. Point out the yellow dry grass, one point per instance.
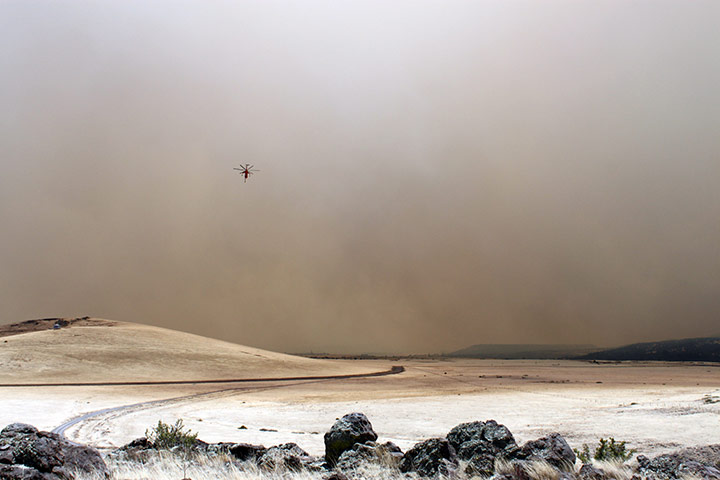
[[128, 352]]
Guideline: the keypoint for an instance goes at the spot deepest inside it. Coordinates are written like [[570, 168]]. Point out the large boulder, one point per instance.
[[387, 454], [430, 458], [702, 462], [284, 457], [552, 448], [346, 432], [45, 455], [480, 443]]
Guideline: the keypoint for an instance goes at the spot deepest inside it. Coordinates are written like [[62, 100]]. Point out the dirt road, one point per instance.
[[102, 416]]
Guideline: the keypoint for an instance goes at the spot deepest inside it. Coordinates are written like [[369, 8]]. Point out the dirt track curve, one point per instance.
[[121, 410], [392, 371]]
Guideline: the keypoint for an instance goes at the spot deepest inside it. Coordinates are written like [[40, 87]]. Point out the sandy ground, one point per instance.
[[656, 407]]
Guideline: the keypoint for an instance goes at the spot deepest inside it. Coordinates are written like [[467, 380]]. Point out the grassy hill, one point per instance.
[[96, 350]]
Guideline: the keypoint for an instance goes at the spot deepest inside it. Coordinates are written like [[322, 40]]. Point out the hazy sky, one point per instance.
[[434, 174]]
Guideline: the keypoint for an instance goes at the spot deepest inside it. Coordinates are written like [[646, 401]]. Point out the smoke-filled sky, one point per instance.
[[433, 173]]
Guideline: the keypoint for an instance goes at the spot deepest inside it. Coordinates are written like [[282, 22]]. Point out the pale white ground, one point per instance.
[[655, 407]]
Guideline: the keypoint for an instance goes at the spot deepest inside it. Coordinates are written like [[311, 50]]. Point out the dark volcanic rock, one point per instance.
[[464, 433], [387, 454], [21, 472], [86, 459], [336, 476], [287, 456], [488, 436], [6, 454], [18, 429], [430, 458], [346, 432], [141, 443], [499, 436], [481, 443], [703, 462], [215, 449], [552, 448], [138, 450], [31, 453], [247, 452], [590, 472]]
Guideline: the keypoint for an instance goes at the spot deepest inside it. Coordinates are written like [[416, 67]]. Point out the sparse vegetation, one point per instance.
[[584, 454], [607, 450], [166, 437], [169, 437]]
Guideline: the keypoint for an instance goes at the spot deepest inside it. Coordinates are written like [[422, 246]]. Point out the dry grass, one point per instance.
[[539, 470], [168, 466], [616, 469], [127, 352], [536, 470]]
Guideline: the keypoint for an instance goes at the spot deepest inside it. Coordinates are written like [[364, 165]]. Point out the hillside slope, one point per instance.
[[96, 350], [522, 351], [706, 349]]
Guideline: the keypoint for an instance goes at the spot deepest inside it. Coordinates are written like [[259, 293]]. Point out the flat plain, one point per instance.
[[655, 407]]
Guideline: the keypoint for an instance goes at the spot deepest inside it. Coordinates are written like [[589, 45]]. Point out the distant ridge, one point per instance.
[[523, 351], [29, 326], [704, 349]]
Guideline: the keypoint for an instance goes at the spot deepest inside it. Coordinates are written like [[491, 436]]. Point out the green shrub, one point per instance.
[[583, 455], [606, 450], [165, 436]]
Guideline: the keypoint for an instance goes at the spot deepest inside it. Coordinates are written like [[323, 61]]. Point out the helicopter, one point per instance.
[[246, 171]]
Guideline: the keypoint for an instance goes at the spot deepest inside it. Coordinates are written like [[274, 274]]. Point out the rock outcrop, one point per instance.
[[387, 454], [430, 458], [552, 449], [591, 472], [480, 443], [702, 462], [27, 453], [351, 429], [350, 445], [247, 452], [285, 457]]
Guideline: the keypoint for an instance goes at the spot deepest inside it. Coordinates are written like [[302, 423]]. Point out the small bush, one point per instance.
[[605, 451], [165, 436], [584, 454]]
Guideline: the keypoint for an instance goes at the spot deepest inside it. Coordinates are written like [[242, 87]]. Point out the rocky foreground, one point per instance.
[[475, 449]]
